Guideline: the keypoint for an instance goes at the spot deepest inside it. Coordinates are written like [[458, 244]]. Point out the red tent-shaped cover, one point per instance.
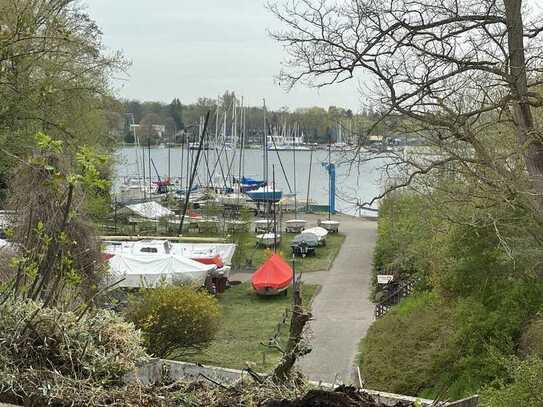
[[274, 276]]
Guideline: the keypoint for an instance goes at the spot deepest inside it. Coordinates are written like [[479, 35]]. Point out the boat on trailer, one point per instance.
[[268, 239], [265, 194], [320, 232], [332, 226], [295, 225], [273, 277]]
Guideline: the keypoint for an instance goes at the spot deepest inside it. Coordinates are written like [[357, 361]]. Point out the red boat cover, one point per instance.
[[275, 273], [216, 260]]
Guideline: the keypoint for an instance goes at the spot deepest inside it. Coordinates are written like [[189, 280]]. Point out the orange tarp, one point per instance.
[[275, 273]]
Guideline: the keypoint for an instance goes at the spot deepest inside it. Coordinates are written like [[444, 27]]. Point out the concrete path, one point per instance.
[[342, 311]]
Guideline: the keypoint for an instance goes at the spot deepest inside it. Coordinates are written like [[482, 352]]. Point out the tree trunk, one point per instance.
[[294, 347], [523, 116]]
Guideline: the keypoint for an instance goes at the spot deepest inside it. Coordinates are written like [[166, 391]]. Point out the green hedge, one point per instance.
[[478, 297]]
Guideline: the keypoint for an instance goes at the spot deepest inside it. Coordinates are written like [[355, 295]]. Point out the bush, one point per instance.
[[405, 351], [525, 387], [53, 356], [429, 347], [174, 318]]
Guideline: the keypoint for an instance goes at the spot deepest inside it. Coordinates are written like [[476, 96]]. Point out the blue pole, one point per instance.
[[331, 168], [332, 193]]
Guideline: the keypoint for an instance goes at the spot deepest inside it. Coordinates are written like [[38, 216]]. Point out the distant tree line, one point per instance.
[[318, 125]]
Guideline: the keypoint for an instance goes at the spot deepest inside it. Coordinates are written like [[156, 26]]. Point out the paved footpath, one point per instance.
[[342, 311]]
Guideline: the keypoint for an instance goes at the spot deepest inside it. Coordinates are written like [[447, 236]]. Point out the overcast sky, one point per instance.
[[194, 48]]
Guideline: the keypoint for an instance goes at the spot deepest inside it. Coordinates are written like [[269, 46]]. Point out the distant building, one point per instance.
[[159, 130]]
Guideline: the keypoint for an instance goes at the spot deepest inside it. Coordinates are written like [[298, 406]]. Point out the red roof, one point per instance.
[[275, 273]]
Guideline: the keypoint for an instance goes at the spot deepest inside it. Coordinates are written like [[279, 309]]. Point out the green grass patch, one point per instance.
[[248, 320], [248, 256]]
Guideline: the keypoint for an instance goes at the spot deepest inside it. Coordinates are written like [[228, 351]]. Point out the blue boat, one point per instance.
[[264, 194], [250, 184]]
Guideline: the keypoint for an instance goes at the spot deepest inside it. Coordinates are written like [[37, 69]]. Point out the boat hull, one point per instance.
[[271, 196], [268, 291]]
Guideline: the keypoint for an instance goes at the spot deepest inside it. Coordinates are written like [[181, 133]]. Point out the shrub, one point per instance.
[[405, 351], [429, 347], [525, 387], [174, 318], [50, 355]]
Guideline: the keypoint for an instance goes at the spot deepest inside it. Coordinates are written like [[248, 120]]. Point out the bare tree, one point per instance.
[[463, 74]]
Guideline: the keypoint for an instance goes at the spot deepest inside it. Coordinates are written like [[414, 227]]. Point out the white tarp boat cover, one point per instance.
[[320, 232], [190, 250], [194, 250], [150, 270], [150, 210]]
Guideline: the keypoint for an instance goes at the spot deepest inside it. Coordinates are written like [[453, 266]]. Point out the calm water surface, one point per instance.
[[359, 182]]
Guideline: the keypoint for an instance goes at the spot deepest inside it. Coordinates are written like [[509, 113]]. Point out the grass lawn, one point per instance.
[[247, 321], [247, 255]]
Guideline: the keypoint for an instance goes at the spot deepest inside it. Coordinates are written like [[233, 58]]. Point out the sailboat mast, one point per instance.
[[309, 180], [136, 141], [274, 214], [182, 156], [143, 172], [150, 176], [329, 174], [241, 145], [265, 146], [294, 134], [170, 155]]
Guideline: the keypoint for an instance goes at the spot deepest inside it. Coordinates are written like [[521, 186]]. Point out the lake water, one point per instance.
[[354, 183]]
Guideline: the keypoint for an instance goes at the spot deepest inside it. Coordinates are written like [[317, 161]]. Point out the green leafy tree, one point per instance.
[[54, 77], [176, 113]]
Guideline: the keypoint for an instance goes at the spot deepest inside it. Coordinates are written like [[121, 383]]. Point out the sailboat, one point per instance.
[[265, 193], [295, 225], [247, 184], [340, 145], [270, 239]]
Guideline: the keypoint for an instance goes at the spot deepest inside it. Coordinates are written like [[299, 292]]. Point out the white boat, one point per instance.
[[263, 225], [148, 210], [268, 239], [265, 194], [295, 225], [289, 147], [320, 232], [200, 252], [331, 226], [342, 147], [152, 270], [234, 199]]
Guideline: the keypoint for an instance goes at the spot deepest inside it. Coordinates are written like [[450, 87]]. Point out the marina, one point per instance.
[[353, 185]]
